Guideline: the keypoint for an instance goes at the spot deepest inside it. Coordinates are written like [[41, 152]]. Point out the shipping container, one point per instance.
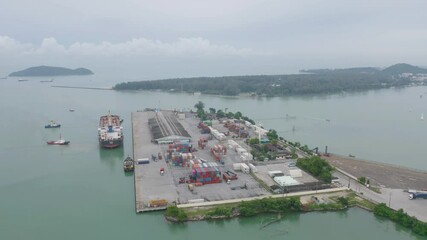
[[143, 161], [236, 166], [253, 168], [244, 168]]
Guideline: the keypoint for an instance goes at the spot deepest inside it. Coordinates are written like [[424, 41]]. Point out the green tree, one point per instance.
[[238, 115], [230, 115], [199, 106], [272, 134], [201, 114], [316, 166], [220, 114], [362, 180], [253, 141], [212, 110]]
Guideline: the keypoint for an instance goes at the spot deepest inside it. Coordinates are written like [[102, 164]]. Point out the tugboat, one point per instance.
[[58, 142], [128, 164], [53, 124]]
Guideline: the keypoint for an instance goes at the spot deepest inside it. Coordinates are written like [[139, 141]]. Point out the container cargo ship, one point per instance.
[[110, 131]]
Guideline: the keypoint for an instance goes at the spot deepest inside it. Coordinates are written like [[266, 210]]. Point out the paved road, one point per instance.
[[394, 198]]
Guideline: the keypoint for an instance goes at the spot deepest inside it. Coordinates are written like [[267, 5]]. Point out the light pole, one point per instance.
[[349, 180], [389, 198]]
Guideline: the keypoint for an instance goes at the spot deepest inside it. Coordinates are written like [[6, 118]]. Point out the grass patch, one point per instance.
[[375, 189], [204, 211], [263, 184], [178, 214], [355, 200]]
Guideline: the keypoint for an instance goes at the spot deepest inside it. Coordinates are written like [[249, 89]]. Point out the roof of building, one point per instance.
[[286, 181], [165, 126]]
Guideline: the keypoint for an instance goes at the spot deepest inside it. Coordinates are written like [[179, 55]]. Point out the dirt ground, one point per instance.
[[380, 174]]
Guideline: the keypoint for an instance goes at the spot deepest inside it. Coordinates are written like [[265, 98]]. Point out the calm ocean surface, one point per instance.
[[80, 191]]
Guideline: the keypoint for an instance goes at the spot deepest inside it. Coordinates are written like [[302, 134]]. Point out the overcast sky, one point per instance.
[[183, 38]]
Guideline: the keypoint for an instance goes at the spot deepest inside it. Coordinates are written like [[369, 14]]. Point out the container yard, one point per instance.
[[180, 159]]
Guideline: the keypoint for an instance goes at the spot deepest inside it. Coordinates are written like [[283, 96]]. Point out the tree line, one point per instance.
[[272, 85]]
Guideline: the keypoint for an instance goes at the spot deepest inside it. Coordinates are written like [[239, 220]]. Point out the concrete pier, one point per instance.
[[149, 184]]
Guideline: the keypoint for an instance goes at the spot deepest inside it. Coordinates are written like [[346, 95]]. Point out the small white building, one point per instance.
[[285, 181]]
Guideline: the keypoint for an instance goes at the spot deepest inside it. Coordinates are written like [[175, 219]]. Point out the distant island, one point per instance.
[[47, 71], [308, 82]]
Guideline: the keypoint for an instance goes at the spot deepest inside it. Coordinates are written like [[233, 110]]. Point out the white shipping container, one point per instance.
[[143, 160], [240, 150], [232, 142], [236, 166], [181, 115], [244, 168], [274, 173], [253, 168], [221, 137], [246, 156]]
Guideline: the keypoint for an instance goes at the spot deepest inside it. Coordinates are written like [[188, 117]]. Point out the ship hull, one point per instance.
[[110, 132], [58, 142], [111, 143], [54, 126]]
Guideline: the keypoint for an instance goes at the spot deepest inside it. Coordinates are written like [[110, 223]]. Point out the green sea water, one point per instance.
[[81, 192]]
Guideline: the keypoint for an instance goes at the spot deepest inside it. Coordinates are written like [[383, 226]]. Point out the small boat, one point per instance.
[[352, 156], [58, 142], [53, 124], [422, 116], [22, 80], [71, 110], [51, 80], [128, 164]]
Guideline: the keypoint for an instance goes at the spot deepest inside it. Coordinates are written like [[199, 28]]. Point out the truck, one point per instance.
[[229, 175], [414, 194], [158, 203], [244, 168]]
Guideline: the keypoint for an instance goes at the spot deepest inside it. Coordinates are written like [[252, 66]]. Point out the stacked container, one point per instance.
[[204, 128], [206, 173], [181, 146], [218, 150], [181, 159], [217, 134]]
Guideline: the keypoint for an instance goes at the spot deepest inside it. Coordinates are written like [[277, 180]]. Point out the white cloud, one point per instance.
[[198, 47], [8, 45]]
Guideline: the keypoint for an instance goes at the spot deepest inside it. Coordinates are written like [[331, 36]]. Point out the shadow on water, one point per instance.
[[179, 228], [128, 174], [221, 223], [111, 157]]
